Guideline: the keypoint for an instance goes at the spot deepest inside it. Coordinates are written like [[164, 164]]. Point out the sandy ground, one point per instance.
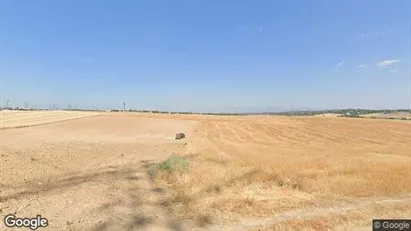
[[246, 173]]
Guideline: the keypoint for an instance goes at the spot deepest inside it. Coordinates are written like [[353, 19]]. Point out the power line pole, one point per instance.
[[7, 103], [124, 106], [26, 106]]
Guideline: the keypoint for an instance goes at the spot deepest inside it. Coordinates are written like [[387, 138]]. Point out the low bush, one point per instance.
[[172, 164]]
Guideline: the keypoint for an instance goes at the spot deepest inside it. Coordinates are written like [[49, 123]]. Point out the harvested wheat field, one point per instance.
[[10, 119], [113, 172]]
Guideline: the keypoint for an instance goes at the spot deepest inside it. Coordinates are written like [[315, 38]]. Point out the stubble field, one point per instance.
[[13, 119], [245, 173]]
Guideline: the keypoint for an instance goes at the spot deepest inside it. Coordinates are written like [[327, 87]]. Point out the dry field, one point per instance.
[[295, 172], [328, 115], [245, 173], [88, 173], [397, 115], [11, 119]]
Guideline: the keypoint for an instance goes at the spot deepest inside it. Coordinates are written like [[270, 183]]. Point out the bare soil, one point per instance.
[[89, 173]]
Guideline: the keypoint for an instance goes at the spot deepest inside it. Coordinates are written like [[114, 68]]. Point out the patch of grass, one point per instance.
[[203, 220], [172, 164]]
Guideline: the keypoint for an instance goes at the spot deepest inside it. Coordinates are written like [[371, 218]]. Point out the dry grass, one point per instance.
[[15, 119], [397, 115], [253, 167], [354, 220]]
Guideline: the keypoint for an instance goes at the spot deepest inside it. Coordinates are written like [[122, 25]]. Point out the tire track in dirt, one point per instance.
[[257, 137], [284, 132], [260, 137], [226, 142], [241, 149], [322, 134], [246, 136], [262, 133], [235, 134], [366, 131], [228, 135], [214, 140], [371, 134], [299, 133], [330, 131], [271, 134], [350, 133]]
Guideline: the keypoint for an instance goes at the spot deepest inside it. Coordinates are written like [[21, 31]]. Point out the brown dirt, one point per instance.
[[245, 173], [89, 173]]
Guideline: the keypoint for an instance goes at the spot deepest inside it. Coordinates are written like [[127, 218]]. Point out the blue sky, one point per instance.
[[215, 55]]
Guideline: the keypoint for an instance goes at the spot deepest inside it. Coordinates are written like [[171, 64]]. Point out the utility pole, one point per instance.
[[7, 103], [124, 106], [26, 106]]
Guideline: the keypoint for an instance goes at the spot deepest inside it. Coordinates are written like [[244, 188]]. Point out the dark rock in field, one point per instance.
[[180, 136]]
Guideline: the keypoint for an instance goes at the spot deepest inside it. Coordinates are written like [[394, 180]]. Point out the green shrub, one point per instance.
[[173, 163]]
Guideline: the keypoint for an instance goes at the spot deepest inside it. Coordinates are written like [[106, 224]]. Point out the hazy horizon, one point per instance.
[[240, 110], [206, 56]]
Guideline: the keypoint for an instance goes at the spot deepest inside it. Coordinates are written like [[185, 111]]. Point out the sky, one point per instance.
[[210, 55]]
